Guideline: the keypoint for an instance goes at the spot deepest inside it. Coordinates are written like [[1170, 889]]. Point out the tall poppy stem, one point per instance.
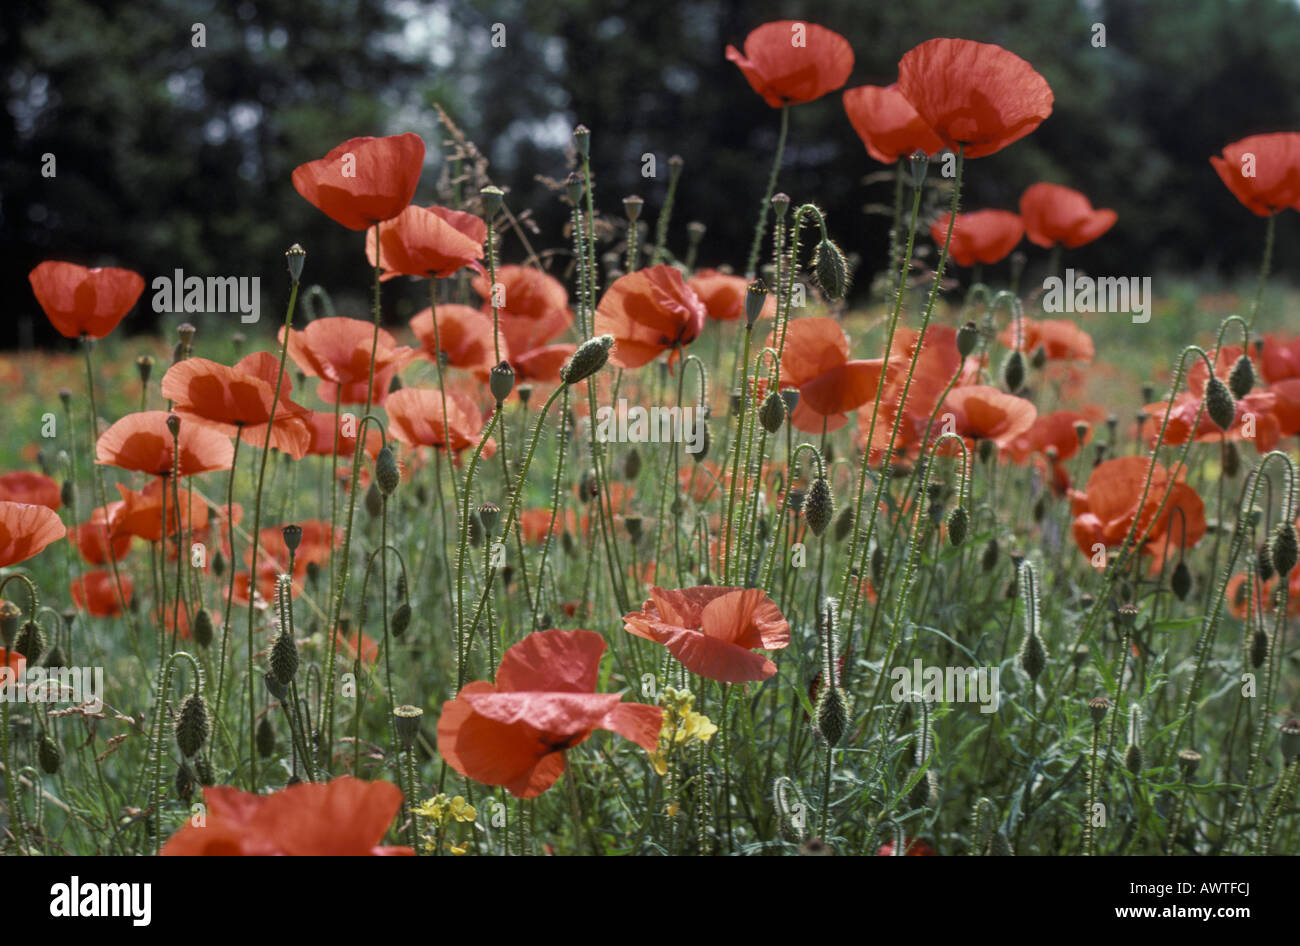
[[751, 266], [1265, 266]]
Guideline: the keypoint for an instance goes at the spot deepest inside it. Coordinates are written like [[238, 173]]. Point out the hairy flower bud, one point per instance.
[[1284, 548], [1242, 377], [968, 337], [1013, 371], [958, 521], [772, 412], [501, 381], [387, 475], [587, 360], [1219, 403], [831, 269], [192, 725], [819, 506]]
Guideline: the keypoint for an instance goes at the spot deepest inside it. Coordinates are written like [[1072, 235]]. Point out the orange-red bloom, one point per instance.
[[1106, 510], [26, 530], [1279, 358], [544, 701], [714, 630], [415, 418], [980, 412], [888, 124], [976, 96], [1262, 171], [142, 442], [345, 817], [790, 61], [1060, 339], [428, 242], [465, 334], [80, 301], [35, 489], [337, 350], [237, 401], [724, 296], [1056, 215], [96, 593], [363, 181], [984, 236], [141, 514], [648, 312], [816, 361]]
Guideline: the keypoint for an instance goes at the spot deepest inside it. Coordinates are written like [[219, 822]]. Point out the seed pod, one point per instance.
[[49, 755], [1284, 547], [632, 464], [1013, 371], [284, 657], [1181, 581], [407, 720], [1289, 740], [819, 506], [1219, 403], [831, 269], [489, 514], [1242, 377], [202, 628], [1258, 649], [1188, 760], [772, 412], [1098, 706], [501, 380], [832, 715], [958, 521], [387, 474], [31, 642], [294, 258], [918, 162], [843, 524], [587, 360], [491, 196], [400, 619], [265, 738], [633, 525], [968, 337], [755, 299], [184, 783], [292, 537], [192, 726]]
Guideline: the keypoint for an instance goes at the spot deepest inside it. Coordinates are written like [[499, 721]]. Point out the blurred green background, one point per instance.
[[174, 156]]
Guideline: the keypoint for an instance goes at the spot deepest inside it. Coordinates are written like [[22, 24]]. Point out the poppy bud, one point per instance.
[[65, 396], [877, 566], [918, 163], [501, 381], [1242, 377], [1219, 403], [31, 642], [1013, 371], [407, 720], [706, 441], [277, 689], [791, 398], [49, 755], [633, 526], [1258, 648], [203, 771], [294, 258], [1284, 548], [400, 619], [587, 360], [1098, 706], [1188, 760], [184, 783], [968, 337], [958, 520], [491, 197], [56, 658], [490, 515], [67, 495], [201, 628], [192, 725], [772, 412], [174, 425], [843, 523], [265, 738], [144, 366], [1039, 509], [284, 657], [925, 793], [1033, 656], [1289, 740], [819, 506], [374, 501], [218, 564], [1229, 458], [755, 299], [632, 207], [1134, 760], [631, 464], [387, 476], [831, 269], [832, 715], [781, 205], [1181, 581]]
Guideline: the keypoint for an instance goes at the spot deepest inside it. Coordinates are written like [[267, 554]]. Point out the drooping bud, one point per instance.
[[1181, 581], [284, 657], [31, 642], [192, 726], [184, 783], [374, 501], [387, 475], [1229, 459], [400, 619], [1033, 656], [819, 506], [587, 360], [631, 463], [772, 412], [201, 628], [49, 755], [1242, 377], [958, 521], [501, 381], [989, 557], [1013, 371], [831, 269], [843, 523], [1263, 563], [1284, 548], [265, 738], [1219, 403]]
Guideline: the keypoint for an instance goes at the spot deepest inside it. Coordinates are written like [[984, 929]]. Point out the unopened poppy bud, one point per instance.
[[582, 140], [144, 366], [490, 515], [780, 205], [1258, 648], [958, 521], [1039, 508], [633, 526], [174, 424], [755, 299], [1188, 761], [632, 464], [1219, 403], [218, 563], [203, 771], [968, 337], [1229, 458], [1284, 548], [292, 537], [925, 793], [632, 205], [918, 163], [201, 628], [1134, 760], [1242, 377], [1098, 707], [587, 360], [772, 412], [278, 690], [1263, 567], [56, 658], [49, 755], [819, 506], [407, 719], [400, 619], [491, 197], [284, 657], [832, 715], [192, 725], [184, 783], [1033, 656], [31, 643], [294, 257], [1289, 740], [706, 441], [1013, 371], [374, 501], [67, 495], [843, 523], [1180, 583], [831, 269], [387, 475], [877, 566]]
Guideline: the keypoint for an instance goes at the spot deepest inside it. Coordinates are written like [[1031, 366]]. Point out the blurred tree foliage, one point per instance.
[[174, 156]]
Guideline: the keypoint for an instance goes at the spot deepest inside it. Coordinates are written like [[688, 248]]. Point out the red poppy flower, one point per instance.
[[714, 630], [237, 401], [99, 541], [324, 432], [984, 236], [1056, 215], [415, 418], [1279, 358], [1262, 171], [544, 701], [345, 817], [142, 442], [1105, 512], [816, 361], [337, 350], [80, 301], [348, 644], [465, 334], [1286, 406], [141, 514], [888, 124], [26, 530], [648, 312], [96, 593], [428, 242], [523, 291], [976, 96], [1054, 431], [912, 847], [980, 412], [534, 524], [34, 489], [363, 181], [1255, 421], [789, 61], [724, 296], [1060, 339]]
